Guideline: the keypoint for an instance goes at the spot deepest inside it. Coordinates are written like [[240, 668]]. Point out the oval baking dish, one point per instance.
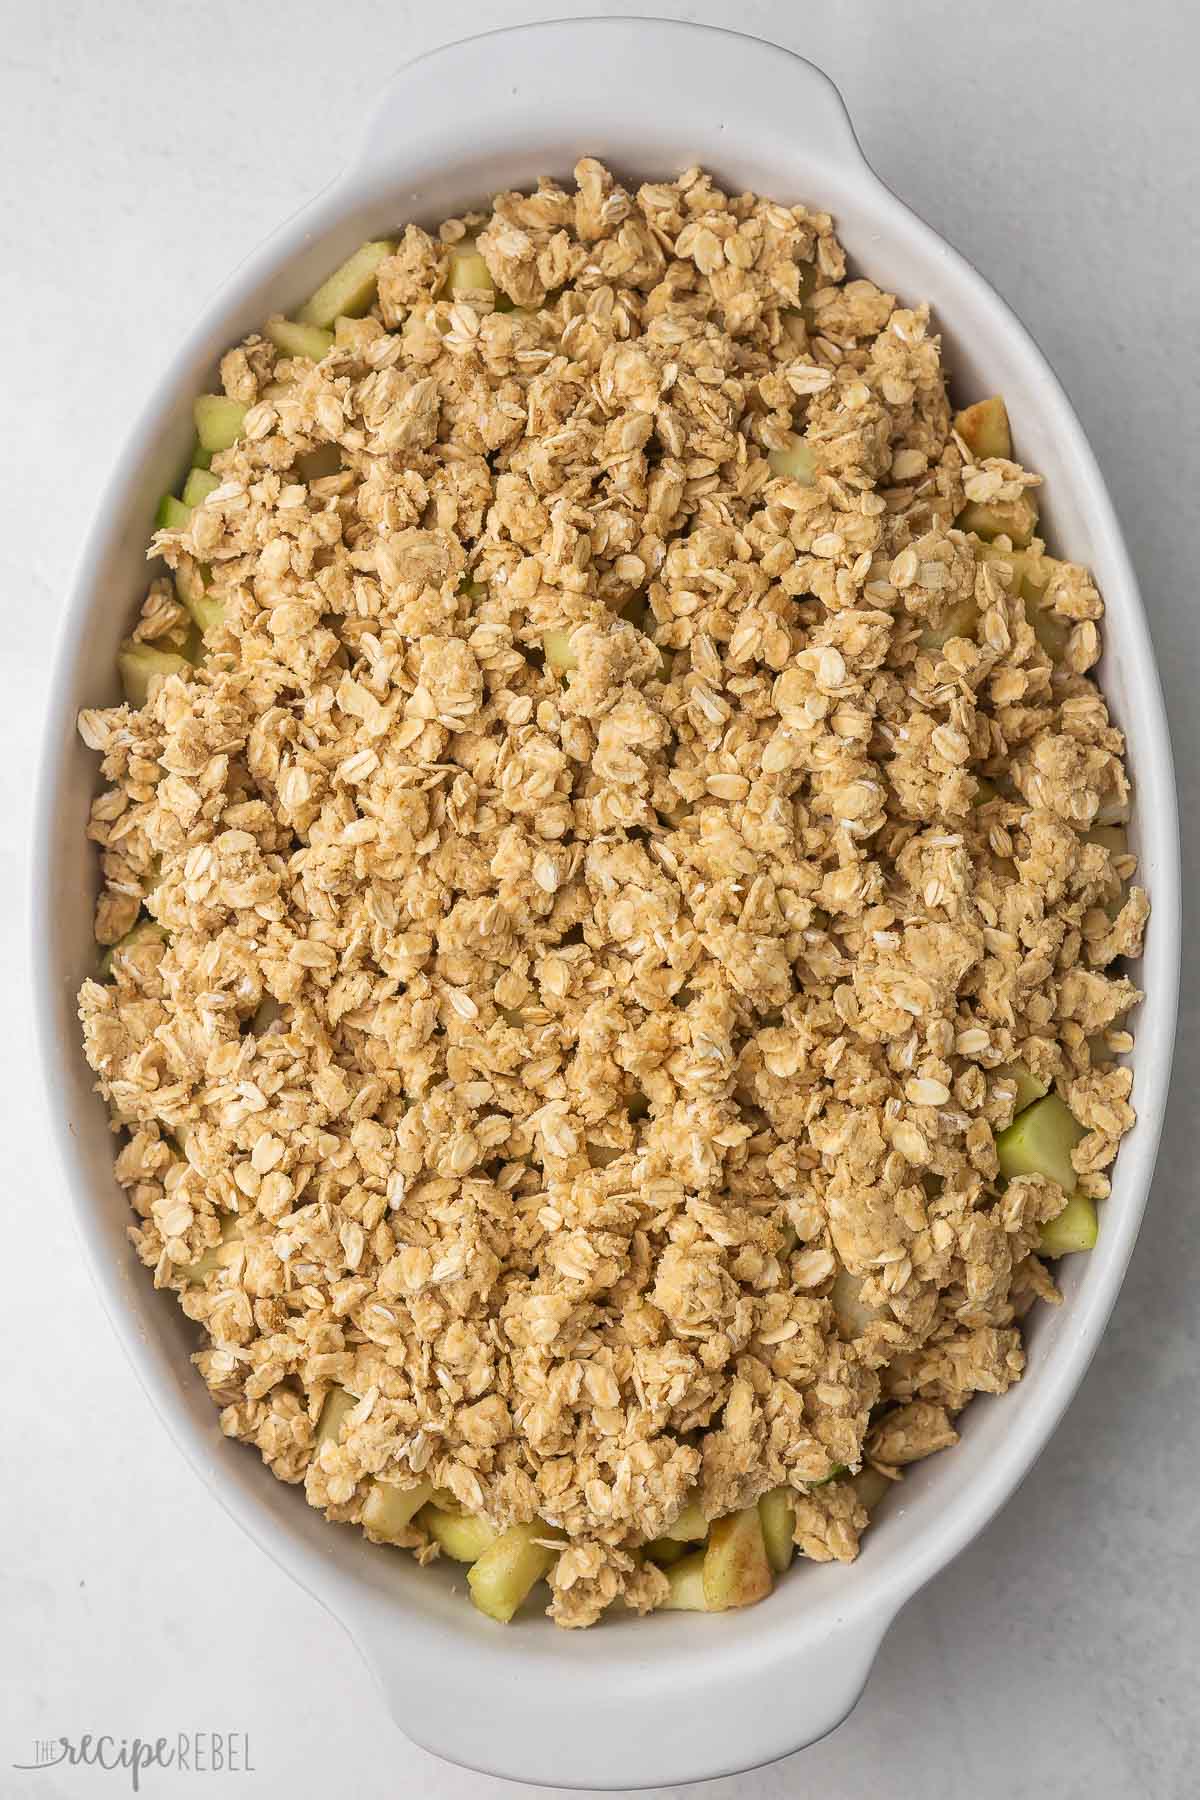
[[675, 1698]]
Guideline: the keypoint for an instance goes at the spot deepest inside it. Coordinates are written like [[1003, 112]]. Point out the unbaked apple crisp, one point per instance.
[[614, 887]]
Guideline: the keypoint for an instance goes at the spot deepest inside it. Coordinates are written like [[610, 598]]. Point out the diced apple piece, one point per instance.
[[172, 514], [796, 320], [206, 612], [795, 461], [218, 420], [961, 621], [690, 1526], [198, 486], [1114, 838], [1075, 1228], [191, 589], [509, 1569], [1049, 628], [467, 273], [144, 932], [1015, 519], [983, 428], [686, 1582], [736, 1569], [336, 1405], [1113, 810], [871, 1486], [389, 1508], [1040, 1141], [462, 1537], [850, 1311], [192, 647], [777, 1511], [138, 664], [558, 651], [837, 1469], [1025, 572], [201, 458], [293, 338], [350, 290], [1028, 1086], [664, 1551], [210, 1260]]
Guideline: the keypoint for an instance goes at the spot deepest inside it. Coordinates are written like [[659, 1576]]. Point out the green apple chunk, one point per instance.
[[850, 1310], [1075, 1228], [1015, 519], [959, 622], [686, 1582], [837, 1469], [295, 339], [144, 932], [336, 1405], [984, 429], [172, 514], [189, 585], [1040, 1141], [218, 420], [198, 486], [509, 1569], [558, 651], [467, 273], [1028, 1086], [389, 1508], [138, 664], [350, 290], [210, 1260], [777, 1513], [1114, 838], [736, 1569], [462, 1537], [664, 1551], [1050, 629], [690, 1526], [871, 1486], [795, 461]]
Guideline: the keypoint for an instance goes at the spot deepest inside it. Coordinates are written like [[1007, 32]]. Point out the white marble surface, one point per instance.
[[146, 146]]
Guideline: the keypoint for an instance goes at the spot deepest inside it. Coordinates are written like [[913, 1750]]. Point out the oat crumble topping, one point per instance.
[[535, 1051]]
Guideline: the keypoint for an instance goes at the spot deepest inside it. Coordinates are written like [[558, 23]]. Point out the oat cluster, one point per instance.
[[560, 1039]]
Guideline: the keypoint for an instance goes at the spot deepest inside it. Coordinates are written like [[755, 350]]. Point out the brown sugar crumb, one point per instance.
[[606, 863]]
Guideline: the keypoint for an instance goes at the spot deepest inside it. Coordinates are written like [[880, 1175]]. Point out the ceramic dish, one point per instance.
[[672, 1698]]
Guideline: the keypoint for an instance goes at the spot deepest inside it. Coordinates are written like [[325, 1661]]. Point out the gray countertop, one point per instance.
[[147, 147]]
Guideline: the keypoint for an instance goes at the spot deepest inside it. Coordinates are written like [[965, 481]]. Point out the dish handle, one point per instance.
[[617, 70], [639, 1723]]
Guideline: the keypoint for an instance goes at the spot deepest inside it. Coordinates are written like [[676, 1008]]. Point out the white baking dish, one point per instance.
[[675, 1697]]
